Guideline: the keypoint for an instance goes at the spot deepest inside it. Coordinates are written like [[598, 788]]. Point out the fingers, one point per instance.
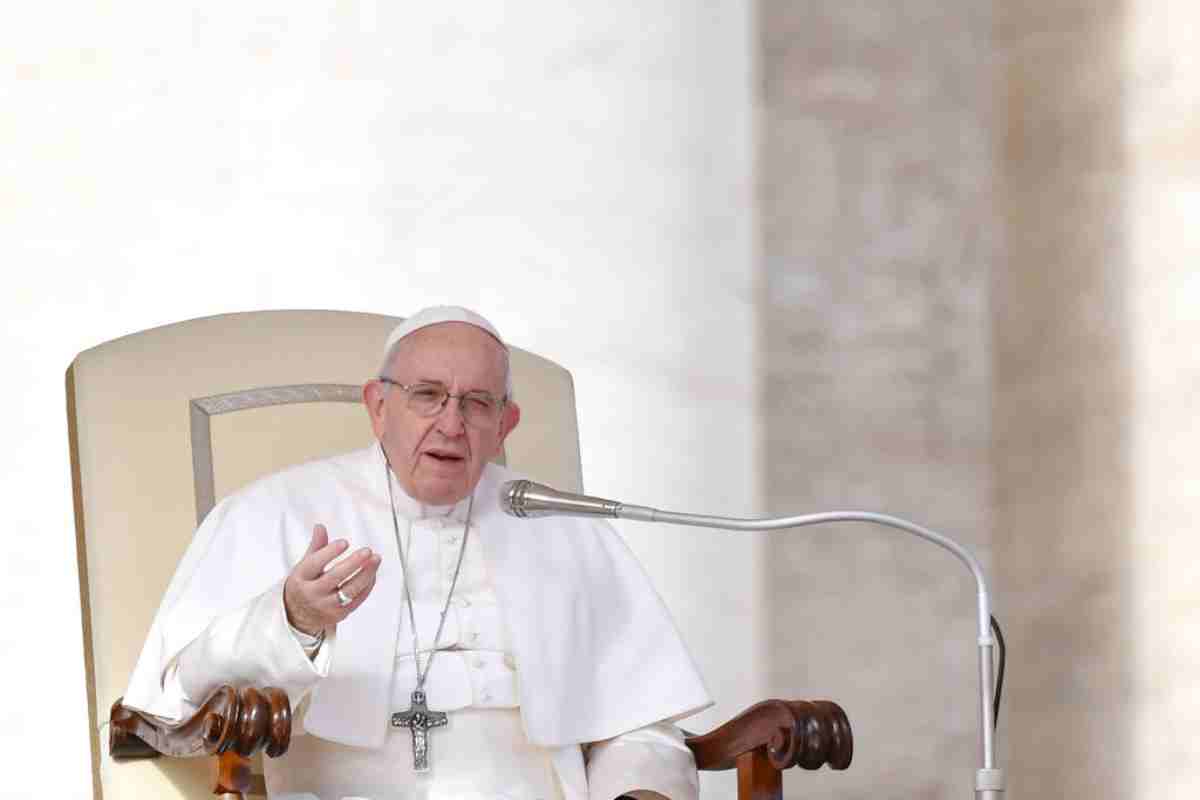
[[355, 584], [341, 572], [320, 538], [312, 566], [360, 586]]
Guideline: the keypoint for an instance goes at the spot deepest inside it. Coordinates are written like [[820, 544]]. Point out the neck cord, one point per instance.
[[421, 675]]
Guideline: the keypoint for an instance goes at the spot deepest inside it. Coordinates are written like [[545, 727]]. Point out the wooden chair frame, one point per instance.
[[761, 742]]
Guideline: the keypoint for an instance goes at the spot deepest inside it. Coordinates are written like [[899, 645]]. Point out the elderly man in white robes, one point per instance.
[[432, 646]]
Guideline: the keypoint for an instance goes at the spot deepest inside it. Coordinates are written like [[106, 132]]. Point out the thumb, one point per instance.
[[320, 538]]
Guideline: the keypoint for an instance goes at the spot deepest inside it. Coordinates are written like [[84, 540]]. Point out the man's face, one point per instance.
[[438, 460]]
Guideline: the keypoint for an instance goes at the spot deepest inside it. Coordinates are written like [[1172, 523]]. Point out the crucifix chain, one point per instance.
[[419, 719]]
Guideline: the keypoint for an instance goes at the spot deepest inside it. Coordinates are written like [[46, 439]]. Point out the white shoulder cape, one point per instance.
[[596, 651]]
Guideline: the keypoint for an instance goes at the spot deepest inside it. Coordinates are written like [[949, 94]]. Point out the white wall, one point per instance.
[[580, 172], [1162, 141]]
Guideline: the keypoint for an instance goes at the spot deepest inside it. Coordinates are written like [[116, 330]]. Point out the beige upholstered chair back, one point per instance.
[[166, 421]]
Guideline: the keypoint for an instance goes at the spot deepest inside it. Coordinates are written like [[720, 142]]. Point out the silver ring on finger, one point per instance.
[[343, 598]]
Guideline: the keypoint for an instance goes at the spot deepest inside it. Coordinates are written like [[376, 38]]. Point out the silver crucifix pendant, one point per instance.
[[419, 719]]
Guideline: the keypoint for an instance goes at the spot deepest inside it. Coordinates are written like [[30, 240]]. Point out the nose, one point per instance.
[[450, 420]]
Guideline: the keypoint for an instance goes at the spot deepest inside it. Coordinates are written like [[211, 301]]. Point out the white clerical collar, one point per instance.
[[411, 508]]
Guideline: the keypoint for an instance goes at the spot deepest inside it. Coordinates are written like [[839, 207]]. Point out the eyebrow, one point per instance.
[[443, 385]]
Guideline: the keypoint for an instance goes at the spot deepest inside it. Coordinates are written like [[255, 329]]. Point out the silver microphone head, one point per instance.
[[528, 499], [512, 498]]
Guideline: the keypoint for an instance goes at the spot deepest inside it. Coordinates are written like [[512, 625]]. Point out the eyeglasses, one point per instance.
[[480, 409]]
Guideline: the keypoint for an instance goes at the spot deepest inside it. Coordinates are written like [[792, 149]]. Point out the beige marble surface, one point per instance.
[[1062, 403]]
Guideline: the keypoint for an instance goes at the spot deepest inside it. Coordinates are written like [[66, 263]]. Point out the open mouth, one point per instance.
[[444, 457]]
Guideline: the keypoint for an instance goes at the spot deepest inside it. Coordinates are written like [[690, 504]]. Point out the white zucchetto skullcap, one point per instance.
[[435, 315]]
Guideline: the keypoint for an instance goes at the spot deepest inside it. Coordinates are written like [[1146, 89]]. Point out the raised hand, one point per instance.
[[311, 591]]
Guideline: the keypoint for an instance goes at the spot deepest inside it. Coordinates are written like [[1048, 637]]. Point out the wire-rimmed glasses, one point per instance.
[[479, 408]]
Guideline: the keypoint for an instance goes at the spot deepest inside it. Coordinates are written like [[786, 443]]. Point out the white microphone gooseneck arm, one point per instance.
[[528, 499]]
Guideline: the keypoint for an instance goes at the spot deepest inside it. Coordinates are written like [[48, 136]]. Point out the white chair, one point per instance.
[[164, 422]]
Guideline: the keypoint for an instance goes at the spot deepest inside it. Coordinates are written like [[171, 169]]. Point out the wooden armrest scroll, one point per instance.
[[239, 720], [802, 733]]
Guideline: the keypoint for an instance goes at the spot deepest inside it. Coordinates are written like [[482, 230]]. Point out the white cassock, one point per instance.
[[558, 664]]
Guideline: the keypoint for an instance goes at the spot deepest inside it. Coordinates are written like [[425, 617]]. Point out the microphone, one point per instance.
[[528, 499]]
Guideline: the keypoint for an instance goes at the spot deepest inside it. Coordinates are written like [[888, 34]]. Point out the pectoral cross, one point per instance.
[[419, 719]]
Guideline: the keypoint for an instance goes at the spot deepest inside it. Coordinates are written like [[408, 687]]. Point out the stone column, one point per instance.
[[1096, 386], [1063, 402], [876, 168]]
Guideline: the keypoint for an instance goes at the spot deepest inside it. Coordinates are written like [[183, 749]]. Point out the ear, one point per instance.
[[508, 421], [373, 394]]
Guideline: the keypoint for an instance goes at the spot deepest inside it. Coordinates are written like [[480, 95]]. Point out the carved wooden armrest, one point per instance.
[[772, 736], [761, 742], [232, 723]]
